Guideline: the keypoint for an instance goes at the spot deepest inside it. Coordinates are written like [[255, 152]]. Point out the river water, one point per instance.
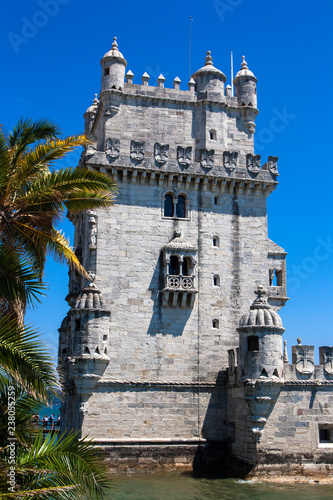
[[181, 486]]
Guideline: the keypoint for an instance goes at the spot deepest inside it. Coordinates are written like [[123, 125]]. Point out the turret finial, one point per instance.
[[260, 302], [299, 341], [114, 44], [208, 59], [244, 63], [95, 101]]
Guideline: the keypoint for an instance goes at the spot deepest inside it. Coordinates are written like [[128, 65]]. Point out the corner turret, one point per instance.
[[260, 340], [245, 86], [209, 78], [89, 116], [113, 68]]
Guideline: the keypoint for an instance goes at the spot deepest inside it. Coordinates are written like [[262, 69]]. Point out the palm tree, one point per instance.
[[45, 466], [33, 197]]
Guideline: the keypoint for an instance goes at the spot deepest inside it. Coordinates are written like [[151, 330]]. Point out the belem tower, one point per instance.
[[172, 355]]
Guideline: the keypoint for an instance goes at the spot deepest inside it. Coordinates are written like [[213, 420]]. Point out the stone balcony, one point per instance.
[[178, 291]]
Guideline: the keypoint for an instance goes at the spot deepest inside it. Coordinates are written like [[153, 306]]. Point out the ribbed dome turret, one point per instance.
[[261, 313], [90, 298], [260, 340]]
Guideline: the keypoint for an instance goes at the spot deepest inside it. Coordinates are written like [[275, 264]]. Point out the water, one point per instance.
[[181, 486]]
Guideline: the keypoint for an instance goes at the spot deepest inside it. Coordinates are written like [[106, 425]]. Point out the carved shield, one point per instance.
[[304, 358], [137, 150], [326, 358], [112, 147], [184, 155], [207, 158], [161, 152], [272, 165], [230, 160], [253, 163]]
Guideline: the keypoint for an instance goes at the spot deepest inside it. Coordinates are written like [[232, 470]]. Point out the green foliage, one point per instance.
[[32, 201]]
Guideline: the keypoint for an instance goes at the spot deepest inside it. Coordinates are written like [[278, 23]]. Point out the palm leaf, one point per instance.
[[18, 283], [25, 361]]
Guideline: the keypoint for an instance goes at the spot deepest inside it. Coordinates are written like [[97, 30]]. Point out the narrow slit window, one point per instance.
[[216, 280], [106, 71], [215, 323], [216, 241]]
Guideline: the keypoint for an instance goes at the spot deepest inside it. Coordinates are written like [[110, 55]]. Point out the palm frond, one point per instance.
[[25, 360], [64, 462], [18, 282], [46, 153], [55, 243]]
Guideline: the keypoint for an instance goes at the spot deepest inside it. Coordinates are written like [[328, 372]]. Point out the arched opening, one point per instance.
[[212, 135], [86, 350], [174, 268], [168, 205], [181, 207], [216, 280], [187, 266], [215, 323], [263, 373], [106, 71], [253, 343], [275, 373]]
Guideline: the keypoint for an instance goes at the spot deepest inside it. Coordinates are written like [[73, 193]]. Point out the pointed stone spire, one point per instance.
[[285, 352], [191, 85], [145, 79], [176, 83], [160, 81], [129, 76]]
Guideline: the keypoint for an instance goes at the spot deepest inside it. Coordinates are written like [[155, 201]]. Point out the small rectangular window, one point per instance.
[[325, 435], [253, 343]]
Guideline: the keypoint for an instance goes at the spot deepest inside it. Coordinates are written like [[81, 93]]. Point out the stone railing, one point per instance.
[[179, 282]]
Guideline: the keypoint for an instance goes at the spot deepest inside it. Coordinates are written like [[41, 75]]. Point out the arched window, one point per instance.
[[216, 280], [215, 323], [187, 266], [106, 71], [168, 205], [181, 207], [175, 206], [174, 268]]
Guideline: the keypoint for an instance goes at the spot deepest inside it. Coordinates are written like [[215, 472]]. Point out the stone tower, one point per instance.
[[144, 348]]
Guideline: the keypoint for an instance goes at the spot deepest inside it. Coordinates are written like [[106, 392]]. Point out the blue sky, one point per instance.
[[51, 51]]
